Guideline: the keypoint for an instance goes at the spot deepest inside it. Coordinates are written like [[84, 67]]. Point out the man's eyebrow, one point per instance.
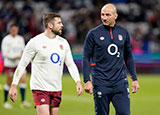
[[105, 13]]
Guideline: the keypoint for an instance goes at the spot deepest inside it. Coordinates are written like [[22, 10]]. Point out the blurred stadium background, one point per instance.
[[140, 17]]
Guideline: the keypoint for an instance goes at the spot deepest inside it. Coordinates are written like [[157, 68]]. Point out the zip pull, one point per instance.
[[111, 33]]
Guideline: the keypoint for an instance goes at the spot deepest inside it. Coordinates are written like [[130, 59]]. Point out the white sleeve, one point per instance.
[[71, 65], [28, 54], [23, 43]]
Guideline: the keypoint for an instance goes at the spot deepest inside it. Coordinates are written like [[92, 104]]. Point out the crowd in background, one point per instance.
[[140, 17]]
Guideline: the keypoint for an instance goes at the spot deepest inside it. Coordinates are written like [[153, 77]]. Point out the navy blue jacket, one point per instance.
[[106, 52]]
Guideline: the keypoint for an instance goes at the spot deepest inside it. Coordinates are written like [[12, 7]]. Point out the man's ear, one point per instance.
[[50, 25], [116, 16]]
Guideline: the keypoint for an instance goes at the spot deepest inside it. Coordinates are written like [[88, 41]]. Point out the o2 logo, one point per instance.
[[115, 52], [55, 58]]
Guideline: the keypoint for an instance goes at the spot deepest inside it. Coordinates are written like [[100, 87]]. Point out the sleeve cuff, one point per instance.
[[133, 78], [85, 80]]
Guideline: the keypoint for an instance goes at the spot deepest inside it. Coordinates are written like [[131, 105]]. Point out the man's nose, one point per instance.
[[62, 25]]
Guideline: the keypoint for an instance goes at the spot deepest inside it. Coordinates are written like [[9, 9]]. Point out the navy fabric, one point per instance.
[[105, 51], [22, 91], [118, 95], [6, 95]]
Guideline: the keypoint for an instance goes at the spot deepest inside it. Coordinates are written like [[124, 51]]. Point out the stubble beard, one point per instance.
[[56, 32]]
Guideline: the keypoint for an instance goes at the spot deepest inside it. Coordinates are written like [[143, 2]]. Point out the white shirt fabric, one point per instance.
[[12, 47], [48, 57]]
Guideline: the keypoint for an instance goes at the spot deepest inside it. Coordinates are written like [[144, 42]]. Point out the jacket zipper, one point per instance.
[[111, 33]]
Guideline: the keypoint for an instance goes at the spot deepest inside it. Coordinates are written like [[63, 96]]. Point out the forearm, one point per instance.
[[86, 69], [131, 68], [18, 73], [129, 58], [25, 60], [73, 70]]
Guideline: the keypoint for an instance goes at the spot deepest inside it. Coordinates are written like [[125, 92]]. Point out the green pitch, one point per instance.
[[145, 102]]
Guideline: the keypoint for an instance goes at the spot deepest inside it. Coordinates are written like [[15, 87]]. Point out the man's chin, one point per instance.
[[106, 24], [60, 32], [57, 33]]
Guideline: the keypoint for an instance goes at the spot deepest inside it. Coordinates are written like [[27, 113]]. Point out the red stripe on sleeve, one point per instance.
[[132, 78], [92, 64]]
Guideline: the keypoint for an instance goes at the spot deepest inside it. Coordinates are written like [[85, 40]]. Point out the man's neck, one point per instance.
[[13, 35], [112, 25], [49, 34]]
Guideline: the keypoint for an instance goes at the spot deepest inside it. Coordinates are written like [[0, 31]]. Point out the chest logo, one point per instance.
[[120, 37], [115, 51], [101, 38], [55, 58], [61, 47]]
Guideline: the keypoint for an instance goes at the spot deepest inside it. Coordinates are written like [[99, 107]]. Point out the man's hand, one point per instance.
[[135, 86], [79, 88], [13, 92], [88, 87]]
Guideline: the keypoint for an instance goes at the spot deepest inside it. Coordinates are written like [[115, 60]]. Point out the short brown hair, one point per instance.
[[13, 25], [48, 17]]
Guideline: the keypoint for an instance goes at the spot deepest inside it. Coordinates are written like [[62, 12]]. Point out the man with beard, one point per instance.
[[48, 52]]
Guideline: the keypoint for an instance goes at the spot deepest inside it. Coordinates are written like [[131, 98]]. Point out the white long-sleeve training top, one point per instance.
[[12, 47], [48, 57]]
